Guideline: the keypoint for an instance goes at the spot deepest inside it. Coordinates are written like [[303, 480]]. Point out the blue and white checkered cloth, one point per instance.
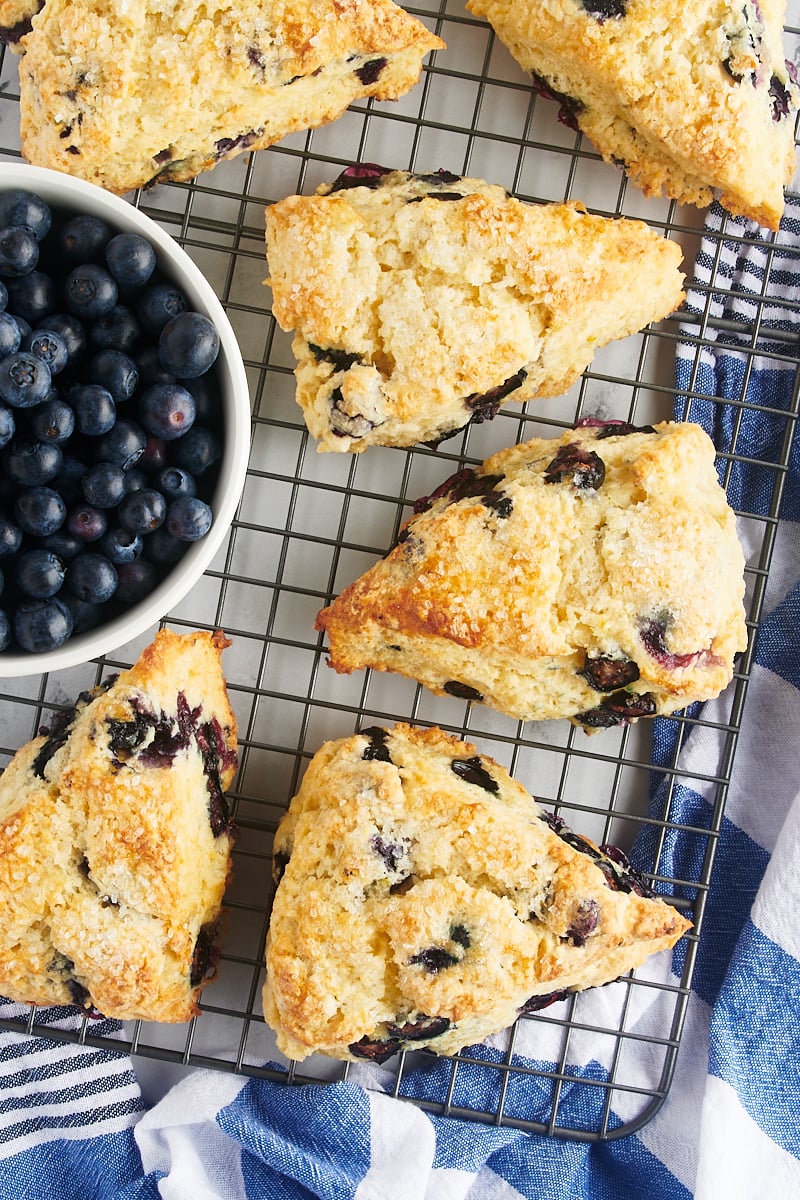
[[72, 1121]]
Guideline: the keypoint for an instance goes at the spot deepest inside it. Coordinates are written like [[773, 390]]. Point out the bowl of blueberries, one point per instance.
[[124, 421]]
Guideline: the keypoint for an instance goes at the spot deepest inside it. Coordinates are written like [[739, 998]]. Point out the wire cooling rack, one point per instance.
[[309, 523]]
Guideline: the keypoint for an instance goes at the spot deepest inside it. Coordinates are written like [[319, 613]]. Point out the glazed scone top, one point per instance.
[[421, 302], [694, 99], [609, 543], [424, 899]]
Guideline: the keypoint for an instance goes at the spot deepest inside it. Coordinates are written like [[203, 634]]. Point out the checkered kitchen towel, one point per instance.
[[72, 1123]]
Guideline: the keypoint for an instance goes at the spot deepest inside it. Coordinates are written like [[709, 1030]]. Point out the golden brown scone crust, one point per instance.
[[527, 593], [682, 95], [425, 301], [111, 875], [424, 900], [126, 94]]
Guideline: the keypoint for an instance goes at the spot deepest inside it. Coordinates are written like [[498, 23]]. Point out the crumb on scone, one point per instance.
[[598, 577], [421, 303], [127, 95], [694, 100], [115, 840], [425, 900]]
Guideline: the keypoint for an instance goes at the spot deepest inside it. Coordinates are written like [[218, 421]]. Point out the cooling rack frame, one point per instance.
[[306, 524]]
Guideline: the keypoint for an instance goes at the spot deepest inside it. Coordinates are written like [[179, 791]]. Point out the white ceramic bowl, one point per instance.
[[66, 193]]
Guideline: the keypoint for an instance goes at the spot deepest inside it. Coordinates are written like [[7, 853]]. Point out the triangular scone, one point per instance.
[[422, 302], [425, 900], [127, 94], [115, 840], [694, 99], [597, 577]]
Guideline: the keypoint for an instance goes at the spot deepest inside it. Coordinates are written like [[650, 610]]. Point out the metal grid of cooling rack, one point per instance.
[[308, 523]]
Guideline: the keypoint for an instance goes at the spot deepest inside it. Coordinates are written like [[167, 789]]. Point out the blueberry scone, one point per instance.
[[425, 900], [115, 840], [694, 100], [423, 302], [125, 95], [15, 19], [597, 577]]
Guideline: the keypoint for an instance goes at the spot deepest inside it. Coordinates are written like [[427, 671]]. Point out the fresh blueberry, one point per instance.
[[131, 259], [116, 330], [24, 379], [49, 346], [121, 546], [188, 345], [175, 482], [10, 536], [71, 329], [189, 518], [68, 480], [19, 251], [135, 581], [40, 573], [197, 450], [162, 547], [10, 335], [85, 616], [42, 625], [205, 390], [154, 458], [29, 462], [39, 511], [135, 480], [116, 372], [158, 305], [90, 291], [91, 577], [167, 410], [33, 297], [103, 485], [53, 421], [3, 295], [7, 425], [94, 407], [5, 631], [83, 239], [150, 368], [63, 543], [86, 522], [142, 512], [21, 207], [123, 444]]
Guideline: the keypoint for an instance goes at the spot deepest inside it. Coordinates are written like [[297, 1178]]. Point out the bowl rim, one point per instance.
[[174, 261]]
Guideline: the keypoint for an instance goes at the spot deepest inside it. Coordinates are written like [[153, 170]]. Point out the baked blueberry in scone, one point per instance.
[[420, 303], [115, 840], [597, 577], [15, 20], [126, 95], [694, 100], [424, 900]]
